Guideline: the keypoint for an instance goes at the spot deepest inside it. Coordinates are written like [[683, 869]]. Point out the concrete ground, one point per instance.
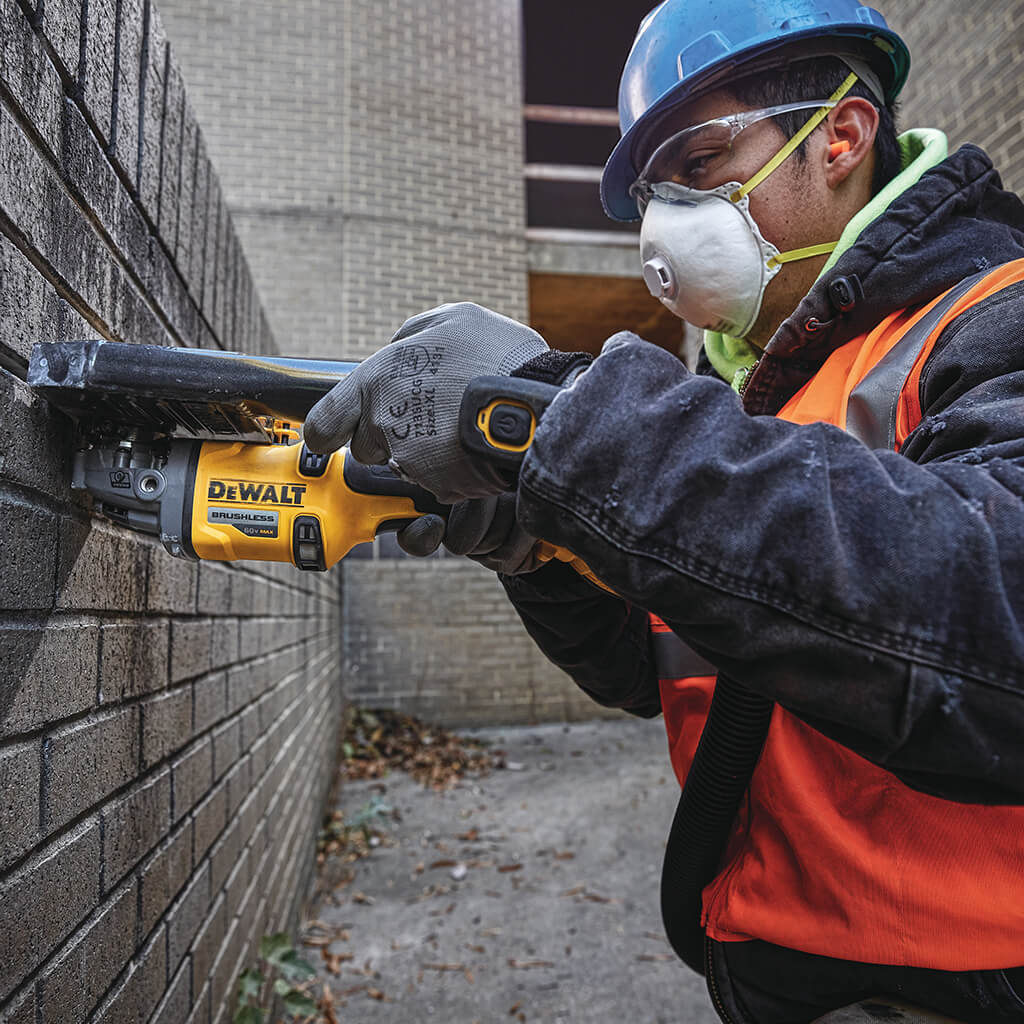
[[528, 895]]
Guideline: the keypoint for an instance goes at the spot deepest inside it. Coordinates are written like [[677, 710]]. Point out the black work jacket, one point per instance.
[[877, 595]]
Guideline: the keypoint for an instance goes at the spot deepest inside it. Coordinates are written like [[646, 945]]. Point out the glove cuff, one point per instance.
[[554, 367]]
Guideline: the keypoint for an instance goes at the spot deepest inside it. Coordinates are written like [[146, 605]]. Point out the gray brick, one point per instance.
[[186, 212], [215, 588], [239, 783], [166, 724], [98, 77], [138, 992], [250, 727], [74, 984], [54, 890], [226, 969], [125, 129], [153, 116], [62, 26], [19, 810], [190, 648], [64, 650], [28, 74], [224, 856], [28, 307], [186, 916], [174, 1006], [163, 875], [210, 818], [201, 1009], [225, 643], [171, 152], [85, 762], [100, 567], [134, 824], [28, 539], [191, 777], [172, 583], [35, 444], [196, 275], [22, 1011], [226, 747], [208, 941], [209, 697], [134, 658], [91, 173]]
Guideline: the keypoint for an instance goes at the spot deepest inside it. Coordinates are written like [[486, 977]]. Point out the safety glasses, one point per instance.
[[695, 155]]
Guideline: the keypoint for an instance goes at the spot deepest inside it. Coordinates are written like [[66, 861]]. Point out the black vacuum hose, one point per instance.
[[729, 747]]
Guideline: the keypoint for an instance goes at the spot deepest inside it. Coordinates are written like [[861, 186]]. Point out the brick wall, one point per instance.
[[166, 728], [966, 74]]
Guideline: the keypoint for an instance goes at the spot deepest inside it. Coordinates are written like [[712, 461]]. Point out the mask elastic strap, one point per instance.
[[816, 118], [802, 254]]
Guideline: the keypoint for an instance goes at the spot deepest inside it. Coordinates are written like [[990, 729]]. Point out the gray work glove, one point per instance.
[[484, 529], [401, 406]]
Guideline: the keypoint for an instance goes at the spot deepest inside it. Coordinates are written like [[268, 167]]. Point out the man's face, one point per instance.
[[794, 206]]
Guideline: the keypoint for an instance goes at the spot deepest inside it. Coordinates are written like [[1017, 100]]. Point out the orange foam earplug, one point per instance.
[[839, 147]]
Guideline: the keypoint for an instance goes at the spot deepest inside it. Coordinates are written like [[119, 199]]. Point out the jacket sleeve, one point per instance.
[[877, 595], [602, 642]]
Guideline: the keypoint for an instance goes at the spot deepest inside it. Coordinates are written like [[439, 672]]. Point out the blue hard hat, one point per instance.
[[686, 46]]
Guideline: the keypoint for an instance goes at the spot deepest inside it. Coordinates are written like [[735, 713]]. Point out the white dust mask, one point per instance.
[[705, 258]]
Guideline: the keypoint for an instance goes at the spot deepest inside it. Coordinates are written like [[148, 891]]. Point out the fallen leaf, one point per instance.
[[375, 993], [514, 1009], [525, 965], [446, 863], [470, 836], [443, 967], [318, 940], [575, 891], [564, 855], [361, 897], [505, 868]]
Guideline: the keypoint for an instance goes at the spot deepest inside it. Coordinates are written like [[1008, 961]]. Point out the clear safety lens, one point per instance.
[[698, 154]]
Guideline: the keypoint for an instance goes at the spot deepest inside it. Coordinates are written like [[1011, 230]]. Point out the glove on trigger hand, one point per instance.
[[401, 406], [487, 530]]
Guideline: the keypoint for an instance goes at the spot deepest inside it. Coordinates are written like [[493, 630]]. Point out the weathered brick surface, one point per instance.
[[19, 810], [53, 891], [970, 90], [87, 761], [72, 986], [162, 876], [126, 889], [64, 648], [133, 824]]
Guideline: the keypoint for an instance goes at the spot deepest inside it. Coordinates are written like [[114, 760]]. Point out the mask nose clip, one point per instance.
[[659, 278]]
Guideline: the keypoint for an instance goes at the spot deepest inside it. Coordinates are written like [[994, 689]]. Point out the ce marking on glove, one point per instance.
[[418, 359]]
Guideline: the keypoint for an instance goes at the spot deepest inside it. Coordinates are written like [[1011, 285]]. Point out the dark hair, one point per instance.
[[815, 79]]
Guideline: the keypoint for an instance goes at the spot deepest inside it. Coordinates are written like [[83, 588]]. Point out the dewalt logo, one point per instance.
[[251, 492]]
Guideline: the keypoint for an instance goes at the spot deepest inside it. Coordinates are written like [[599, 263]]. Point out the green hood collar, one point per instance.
[[921, 149]]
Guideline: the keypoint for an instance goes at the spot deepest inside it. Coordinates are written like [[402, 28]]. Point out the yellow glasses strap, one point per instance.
[[816, 118], [802, 254]]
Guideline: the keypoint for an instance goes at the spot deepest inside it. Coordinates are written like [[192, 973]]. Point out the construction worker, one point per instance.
[[828, 513]]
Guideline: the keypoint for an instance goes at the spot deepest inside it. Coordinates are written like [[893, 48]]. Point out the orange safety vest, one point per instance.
[[830, 853]]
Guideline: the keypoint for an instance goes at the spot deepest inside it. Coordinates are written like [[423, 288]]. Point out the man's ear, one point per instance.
[[849, 139]]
